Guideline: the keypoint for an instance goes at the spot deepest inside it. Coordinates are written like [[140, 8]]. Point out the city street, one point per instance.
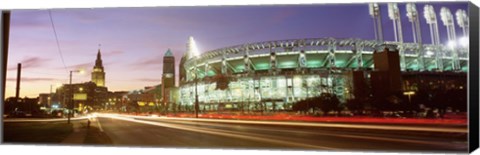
[[314, 77], [126, 130]]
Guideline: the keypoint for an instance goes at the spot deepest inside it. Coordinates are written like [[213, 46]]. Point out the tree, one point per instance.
[[355, 105], [457, 99], [301, 106], [440, 100], [327, 102], [133, 106]]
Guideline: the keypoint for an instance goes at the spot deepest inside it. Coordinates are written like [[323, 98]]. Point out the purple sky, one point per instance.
[[133, 40]]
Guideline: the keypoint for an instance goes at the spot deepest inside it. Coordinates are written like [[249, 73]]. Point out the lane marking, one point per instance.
[[98, 123]]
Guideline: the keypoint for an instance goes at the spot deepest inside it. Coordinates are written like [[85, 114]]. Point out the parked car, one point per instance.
[[17, 114]]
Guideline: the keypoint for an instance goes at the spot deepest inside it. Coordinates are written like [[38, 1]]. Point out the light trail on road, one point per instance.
[[280, 134], [405, 140], [315, 124], [232, 134], [130, 130]]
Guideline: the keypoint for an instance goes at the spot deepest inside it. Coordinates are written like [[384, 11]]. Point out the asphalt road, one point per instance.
[[188, 133]]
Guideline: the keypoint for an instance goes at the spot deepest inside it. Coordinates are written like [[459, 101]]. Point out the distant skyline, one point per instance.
[[134, 40]]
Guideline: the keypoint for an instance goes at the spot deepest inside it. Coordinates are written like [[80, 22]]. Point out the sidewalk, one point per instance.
[[79, 133]]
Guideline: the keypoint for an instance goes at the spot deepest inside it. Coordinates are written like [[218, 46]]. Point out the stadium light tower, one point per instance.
[[394, 15], [192, 47], [412, 15], [448, 22], [462, 21], [194, 53], [374, 11], [431, 18]]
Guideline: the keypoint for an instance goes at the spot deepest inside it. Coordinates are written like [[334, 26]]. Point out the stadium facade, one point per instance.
[[279, 73], [273, 75]]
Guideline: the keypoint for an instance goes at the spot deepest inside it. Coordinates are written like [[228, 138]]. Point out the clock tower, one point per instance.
[[98, 74]]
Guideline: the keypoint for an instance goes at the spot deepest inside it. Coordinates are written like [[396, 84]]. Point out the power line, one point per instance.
[[56, 38], [43, 73], [115, 80]]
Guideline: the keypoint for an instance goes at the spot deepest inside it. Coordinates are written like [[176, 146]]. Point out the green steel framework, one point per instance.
[[272, 75]]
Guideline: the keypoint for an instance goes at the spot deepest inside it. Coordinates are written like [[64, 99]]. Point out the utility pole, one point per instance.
[[4, 32], [17, 90], [50, 97], [70, 107]]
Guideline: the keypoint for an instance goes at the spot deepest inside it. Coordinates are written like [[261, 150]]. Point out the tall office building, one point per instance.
[[168, 77]]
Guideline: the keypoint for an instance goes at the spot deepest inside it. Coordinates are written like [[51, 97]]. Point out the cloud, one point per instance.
[[86, 16], [108, 53], [31, 62], [86, 67], [112, 53], [81, 66], [149, 63], [283, 15], [28, 79], [107, 64]]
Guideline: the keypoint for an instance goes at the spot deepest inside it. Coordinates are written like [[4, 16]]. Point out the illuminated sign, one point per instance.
[[151, 104], [80, 96]]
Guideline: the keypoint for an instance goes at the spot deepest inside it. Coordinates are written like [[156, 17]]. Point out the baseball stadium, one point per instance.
[[278, 73]]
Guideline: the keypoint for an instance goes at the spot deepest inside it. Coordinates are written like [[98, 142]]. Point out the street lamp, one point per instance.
[[72, 105], [409, 94]]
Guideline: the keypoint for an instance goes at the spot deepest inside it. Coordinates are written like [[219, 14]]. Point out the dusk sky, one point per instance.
[[134, 40]]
